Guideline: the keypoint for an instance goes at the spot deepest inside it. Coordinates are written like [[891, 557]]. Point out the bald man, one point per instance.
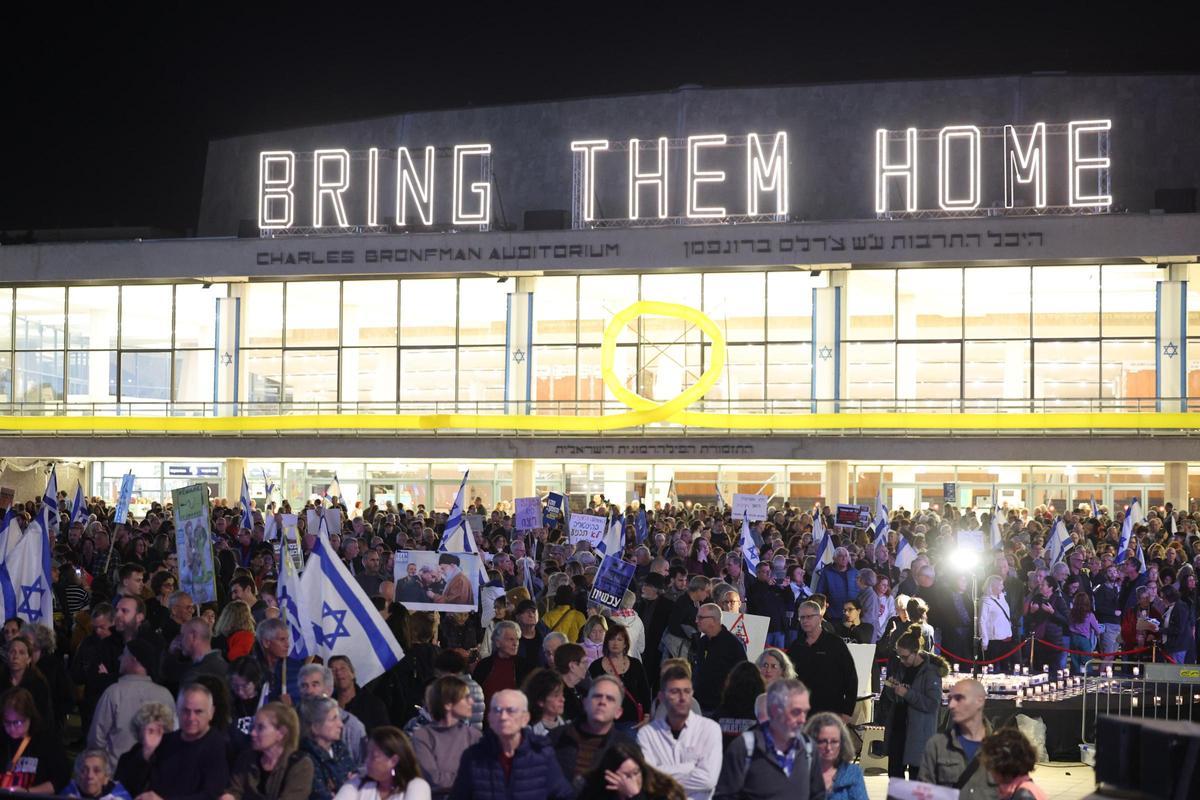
[[951, 754]]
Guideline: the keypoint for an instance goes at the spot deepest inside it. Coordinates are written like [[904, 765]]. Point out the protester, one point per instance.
[[32, 758], [547, 700], [622, 773], [504, 668], [824, 665], [272, 768], [190, 761], [617, 661], [93, 779], [392, 772], [321, 741], [439, 746], [949, 757], [916, 698], [578, 745], [316, 680], [683, 745], [773, 663], [996, 630], [717, 652], [835, 758], [112, 724], [150, 724], [1008, 758]]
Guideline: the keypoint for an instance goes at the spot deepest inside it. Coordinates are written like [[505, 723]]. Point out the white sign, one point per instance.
[[900, 789], [972, 540], [329, 518], [750, 629], [864, 661], [754, 506], [587, 528], [476, 523]]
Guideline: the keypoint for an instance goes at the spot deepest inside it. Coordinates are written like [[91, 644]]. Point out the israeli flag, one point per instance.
[[334, 489], [824, 551], [1095, 510], [749, 550], [455, 521], [50, 518], [121, 515], [269, 492], [1141, 557], [720, 501], [641, 526], [613, 542], [997, 541], [247, 517], [1060, 542], [79, 507], [1134, 510], [289, 604], [905, 554], [337, 618], [518, 372], [881, 522], [26, 589]]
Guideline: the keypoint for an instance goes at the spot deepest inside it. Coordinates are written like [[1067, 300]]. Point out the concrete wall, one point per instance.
[[30, 484], [831, 134]]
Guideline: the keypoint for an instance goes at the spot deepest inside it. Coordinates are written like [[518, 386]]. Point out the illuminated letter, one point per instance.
[[767, 174], [884, 169], [697, 176], [589, 147], [482, 189], [373, 186], [945, 137], [1092, 163], [323, 185], [276, 189], [407, 184], [657, 179], [1025, 166]]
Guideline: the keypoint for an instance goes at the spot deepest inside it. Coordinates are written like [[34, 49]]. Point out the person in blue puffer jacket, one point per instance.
[[510, 762], [839, 583]]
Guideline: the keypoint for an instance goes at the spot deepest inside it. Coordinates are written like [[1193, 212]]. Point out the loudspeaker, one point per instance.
[[248, 229], [1176, 201], [1156, 758], [551, 219]]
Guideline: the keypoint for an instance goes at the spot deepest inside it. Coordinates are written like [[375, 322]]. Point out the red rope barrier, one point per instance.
[[995, 660], [1053, 646]]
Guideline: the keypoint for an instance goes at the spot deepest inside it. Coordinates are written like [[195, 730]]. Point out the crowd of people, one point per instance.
[[543, 694]]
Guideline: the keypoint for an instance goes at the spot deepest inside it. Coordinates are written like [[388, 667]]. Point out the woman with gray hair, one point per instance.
[[835, 758], [504, 668], [321, 741], [150, 724], [93, 778]]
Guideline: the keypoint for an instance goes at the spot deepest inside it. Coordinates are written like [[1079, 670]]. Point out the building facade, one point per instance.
[[807, 292]]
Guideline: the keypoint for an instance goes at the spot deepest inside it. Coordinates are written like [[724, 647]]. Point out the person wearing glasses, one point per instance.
[[824, 664], [509, 762], [835, 758], [713, 657], [916, 692]]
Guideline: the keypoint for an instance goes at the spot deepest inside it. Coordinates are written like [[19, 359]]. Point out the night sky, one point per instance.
[[109, 112]]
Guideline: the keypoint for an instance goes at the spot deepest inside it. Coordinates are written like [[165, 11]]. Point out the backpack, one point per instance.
[[748, 740]]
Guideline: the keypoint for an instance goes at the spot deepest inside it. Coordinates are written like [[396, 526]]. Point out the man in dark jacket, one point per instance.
[[1179, 640], [655, 611], [824, 664], [717, 653], [509, 762], [753, 766], [765, 599], [578, 746]]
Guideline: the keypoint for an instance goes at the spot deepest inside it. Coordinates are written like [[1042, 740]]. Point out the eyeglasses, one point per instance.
[[511, 711]]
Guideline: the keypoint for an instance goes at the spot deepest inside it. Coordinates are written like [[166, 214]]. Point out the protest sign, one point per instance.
[[528, 514], [972, 540], [193, 543], [949, 492], [291, 539], [852, 516], [752, 506], [750, 629], [427, 581], [612, 579], [552, 514], [587, 528], [331, 518]]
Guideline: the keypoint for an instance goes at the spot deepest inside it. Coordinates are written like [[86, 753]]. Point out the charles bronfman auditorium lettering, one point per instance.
[[957, 170]]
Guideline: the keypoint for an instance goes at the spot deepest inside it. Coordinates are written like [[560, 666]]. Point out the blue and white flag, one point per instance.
[[247, 517], [641, 525], [289, 604], [1095, 511], [720, 501], [1141, 557], [50, 517], [1135, 508], [881, 525], [79, 507], [1060, 542], [338, 619], [518, 348], [749, 550], [25, 584], [905, 554], [121, 515], [269, 491], [613, 542], [456, 521], [334, 489], [824, 550]]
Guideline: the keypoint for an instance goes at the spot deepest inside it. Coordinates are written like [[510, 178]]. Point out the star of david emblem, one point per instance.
[[293, 614], [826, 353], [518, 356], [339, 631], [1170, 350], [29, 593], [227, 359]]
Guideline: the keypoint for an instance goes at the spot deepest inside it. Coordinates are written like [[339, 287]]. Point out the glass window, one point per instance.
[[482, 311], [39, 319], [1128, 298], [427, 376], [369, 375], [600, 297], [427, 311], [681, 289], [262, 311], [480, 374], [193, 376], [1193, 297], [146, 313], [736, 301], [997, 370], [789, 306], [930, 303], [871, 304], [1066, 370], [6, 376], [870, 371], [6, 302], [262, 376], [310, 376], [592, 390], [789, 373], [92, 376], [554, 379], [555, 310], [38, 376], [145, 376], [1193, 374], [742, 377], [1128, 372], [928, 371], [92, 317], [996, 302], [196, 313], [369, 313], [668, 369], [1066, 302], [312, 313]]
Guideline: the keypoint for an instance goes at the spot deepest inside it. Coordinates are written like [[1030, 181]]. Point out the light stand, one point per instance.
[[965, 559]]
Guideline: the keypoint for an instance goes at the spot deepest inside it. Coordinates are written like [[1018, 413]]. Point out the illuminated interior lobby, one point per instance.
[[1027, 351]]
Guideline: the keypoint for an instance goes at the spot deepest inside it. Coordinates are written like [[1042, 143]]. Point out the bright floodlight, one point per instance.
[[965, 559]]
